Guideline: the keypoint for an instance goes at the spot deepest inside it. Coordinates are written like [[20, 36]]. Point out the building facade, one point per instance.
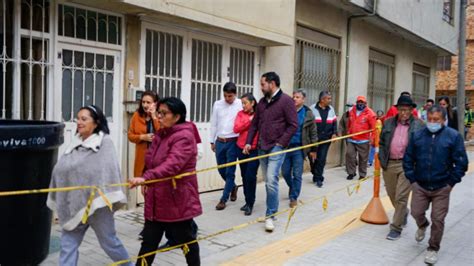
[[447, 74], [58, 55]]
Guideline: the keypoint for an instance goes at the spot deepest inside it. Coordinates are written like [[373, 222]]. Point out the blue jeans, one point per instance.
[[371, 155], [249, 176], [102, 222], [271, 170], [227, 152], [292, 170]]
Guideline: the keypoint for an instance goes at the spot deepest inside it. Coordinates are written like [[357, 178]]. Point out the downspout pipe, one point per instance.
[[348, 46]]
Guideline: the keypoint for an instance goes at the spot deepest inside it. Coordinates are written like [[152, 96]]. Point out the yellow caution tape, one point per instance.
[[325, 203], [106, 200], [290, 215], [185, 249], [88, 206], [240, 226]]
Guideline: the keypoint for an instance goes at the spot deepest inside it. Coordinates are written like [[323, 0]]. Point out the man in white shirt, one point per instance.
[[224, 140]]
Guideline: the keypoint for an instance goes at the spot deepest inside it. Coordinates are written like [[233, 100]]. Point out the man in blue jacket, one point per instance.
[[435, 160]]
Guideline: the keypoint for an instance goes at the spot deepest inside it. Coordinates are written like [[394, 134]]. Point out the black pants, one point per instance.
[[181, 232], [317, 167]]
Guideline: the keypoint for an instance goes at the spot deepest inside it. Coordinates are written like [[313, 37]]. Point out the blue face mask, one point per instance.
[[433, 127], [360, 106]]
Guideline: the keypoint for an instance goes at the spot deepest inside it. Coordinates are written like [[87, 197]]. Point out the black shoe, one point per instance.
[[350, 177], [361, 177], [243, 208], [248, 210], [319, 184]]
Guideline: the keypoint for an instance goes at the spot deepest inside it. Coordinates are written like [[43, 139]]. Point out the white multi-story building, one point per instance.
[[59, 55]]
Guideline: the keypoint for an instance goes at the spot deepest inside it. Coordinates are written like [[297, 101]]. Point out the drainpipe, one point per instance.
[[348, 46]]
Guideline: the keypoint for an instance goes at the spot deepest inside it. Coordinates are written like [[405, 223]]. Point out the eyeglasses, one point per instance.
[[163, 112]]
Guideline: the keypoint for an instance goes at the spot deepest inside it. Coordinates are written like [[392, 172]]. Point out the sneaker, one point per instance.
[[269, 226], [293, 203], [233, 194], [220, 206], [319, 184], [431, 257], [393, 235], [243, 208], [420, 234], [350, 176], [248, 210]]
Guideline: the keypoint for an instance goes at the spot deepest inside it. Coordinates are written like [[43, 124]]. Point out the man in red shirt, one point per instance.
[[393, 111], [361, 118]]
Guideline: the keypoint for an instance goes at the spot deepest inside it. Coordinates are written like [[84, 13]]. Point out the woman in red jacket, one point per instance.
[[248, 170], [169, 208]]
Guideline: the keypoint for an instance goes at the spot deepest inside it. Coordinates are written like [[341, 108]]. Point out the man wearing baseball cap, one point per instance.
[[394, 140], [361, 118]]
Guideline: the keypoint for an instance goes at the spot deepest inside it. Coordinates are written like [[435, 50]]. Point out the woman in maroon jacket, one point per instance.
[[167, 208]]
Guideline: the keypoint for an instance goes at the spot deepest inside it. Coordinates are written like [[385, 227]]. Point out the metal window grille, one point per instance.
[[7, 60], [87, 78], [381, 81], [163, 63], [421, 84], [444, 63], [317, 69], [241, 70], [448, 11], [24, 60], [206, 78], [89, 25]]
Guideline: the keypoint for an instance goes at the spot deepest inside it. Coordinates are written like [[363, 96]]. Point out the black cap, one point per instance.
[[406, 101]]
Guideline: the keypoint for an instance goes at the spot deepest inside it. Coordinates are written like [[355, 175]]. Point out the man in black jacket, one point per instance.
[[435, 160]]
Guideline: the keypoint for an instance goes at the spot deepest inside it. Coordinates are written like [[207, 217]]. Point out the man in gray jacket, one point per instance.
[[394, 139]]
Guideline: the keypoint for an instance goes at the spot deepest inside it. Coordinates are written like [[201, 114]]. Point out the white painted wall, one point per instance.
[[365, 36], [421, 17], [267, 19]]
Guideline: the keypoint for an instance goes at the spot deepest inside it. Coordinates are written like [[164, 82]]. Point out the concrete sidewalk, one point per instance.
[[315, 236]]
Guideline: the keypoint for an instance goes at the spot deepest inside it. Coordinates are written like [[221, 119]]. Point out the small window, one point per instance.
[[89, 25], [448, 11], [444, 63]]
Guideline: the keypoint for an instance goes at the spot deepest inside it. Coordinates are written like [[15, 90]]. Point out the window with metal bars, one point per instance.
[[89, 25], [163, 63], [241, 70], [87, 78], [24, 75], [317, 63], [421, 84], [381, 80], [206, 78]]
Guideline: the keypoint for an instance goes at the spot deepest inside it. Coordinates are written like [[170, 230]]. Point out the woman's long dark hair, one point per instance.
[[449, 110], [251, 98], [155, 98], [99, 118]]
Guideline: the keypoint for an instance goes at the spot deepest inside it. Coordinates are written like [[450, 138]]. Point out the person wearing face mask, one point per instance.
[[435, 160], [361, 118], [394, 139]]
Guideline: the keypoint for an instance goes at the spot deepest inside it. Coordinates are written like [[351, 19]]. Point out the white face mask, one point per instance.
[[433, 127]]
